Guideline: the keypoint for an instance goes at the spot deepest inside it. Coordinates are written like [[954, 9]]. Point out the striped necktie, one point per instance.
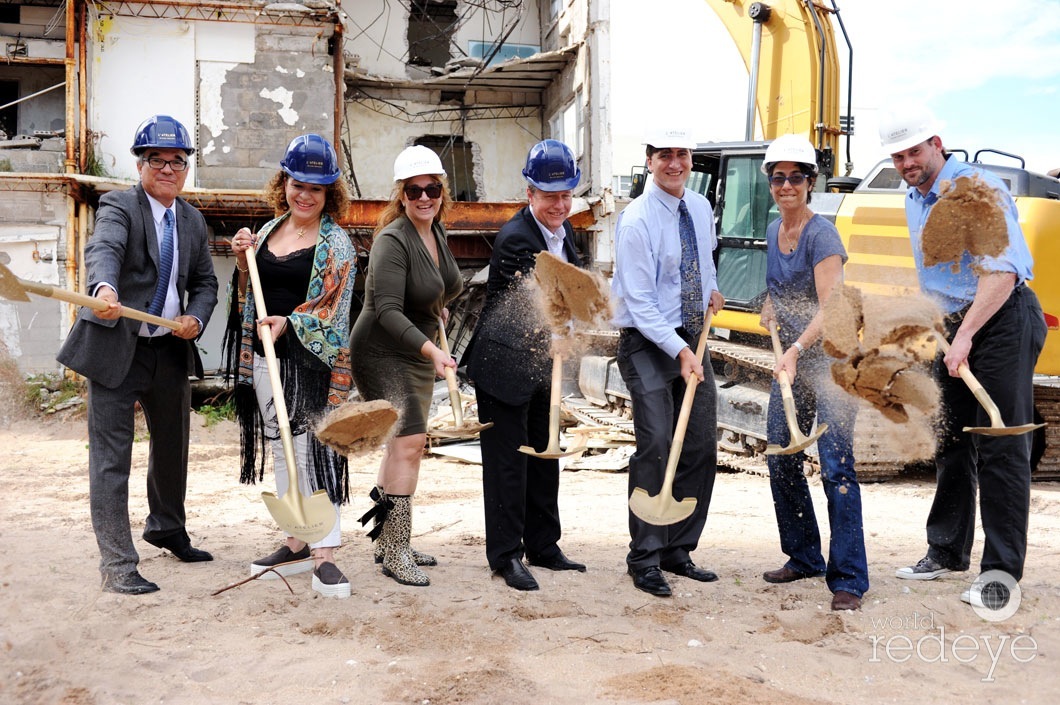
[[165, 267], [691, 281]]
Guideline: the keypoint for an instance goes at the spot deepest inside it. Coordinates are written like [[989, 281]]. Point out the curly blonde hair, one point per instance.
[[394, 209], [336, 196]]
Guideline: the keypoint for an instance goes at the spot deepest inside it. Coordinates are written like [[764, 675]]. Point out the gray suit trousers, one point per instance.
[[158, 379]]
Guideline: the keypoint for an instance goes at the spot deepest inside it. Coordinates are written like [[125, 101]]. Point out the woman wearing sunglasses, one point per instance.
[[411, 276], [804, 266]]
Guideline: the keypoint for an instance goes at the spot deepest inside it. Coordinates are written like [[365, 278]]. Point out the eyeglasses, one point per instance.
[[795, 179], [160, 163], [413, 192]]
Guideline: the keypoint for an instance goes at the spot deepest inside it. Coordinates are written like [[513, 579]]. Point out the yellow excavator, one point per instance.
[[789, 47]]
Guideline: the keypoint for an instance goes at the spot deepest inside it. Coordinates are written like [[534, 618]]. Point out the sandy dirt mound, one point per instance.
[[967, 218]]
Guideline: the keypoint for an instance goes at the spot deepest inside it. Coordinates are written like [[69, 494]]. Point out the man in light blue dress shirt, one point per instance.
[[656, 356], [995, 325]]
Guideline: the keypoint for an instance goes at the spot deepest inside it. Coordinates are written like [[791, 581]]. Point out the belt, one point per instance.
[[154, 341]]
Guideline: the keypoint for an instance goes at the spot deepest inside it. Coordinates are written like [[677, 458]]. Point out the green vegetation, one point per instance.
[[6, 165], [215, 410]]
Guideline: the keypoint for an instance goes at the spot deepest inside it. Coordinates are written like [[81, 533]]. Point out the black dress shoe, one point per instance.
[[516, 575], [556, 562], [180, 546], [128, 584], [693, 571], [651, 580]]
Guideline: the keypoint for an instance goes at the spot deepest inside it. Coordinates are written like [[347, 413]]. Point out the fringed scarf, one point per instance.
[[316, 372]]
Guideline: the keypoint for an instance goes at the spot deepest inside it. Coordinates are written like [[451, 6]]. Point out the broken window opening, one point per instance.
[[458, 159], [9, 115], [432, 24]]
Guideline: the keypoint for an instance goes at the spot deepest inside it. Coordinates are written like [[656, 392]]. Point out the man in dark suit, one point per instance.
[[508, 360], [148, 250]]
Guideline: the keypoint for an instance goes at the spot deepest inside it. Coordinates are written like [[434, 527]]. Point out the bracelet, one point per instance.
[[240, 269], [798, 346]]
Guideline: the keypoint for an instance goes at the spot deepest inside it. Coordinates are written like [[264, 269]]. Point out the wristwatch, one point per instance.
[[798, 346]]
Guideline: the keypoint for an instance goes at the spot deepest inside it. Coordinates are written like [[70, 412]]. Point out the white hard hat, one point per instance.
[[670, 137], [790, 148], [416, 160], [902, 128]]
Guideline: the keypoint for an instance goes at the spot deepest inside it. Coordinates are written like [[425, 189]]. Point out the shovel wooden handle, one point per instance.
[[93, 303], [980, 393], [678, 443], [450, 379], [790, 412], [265, 333]]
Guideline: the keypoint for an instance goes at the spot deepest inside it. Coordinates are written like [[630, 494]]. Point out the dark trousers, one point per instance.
[[657, 390], [158, 379], [520, 492], [1004, 353]]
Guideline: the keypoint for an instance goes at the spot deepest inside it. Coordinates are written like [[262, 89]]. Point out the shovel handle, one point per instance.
[[678, 443], [981, 395], [790, 412], [280, 404], [73, 297], [450, 379]]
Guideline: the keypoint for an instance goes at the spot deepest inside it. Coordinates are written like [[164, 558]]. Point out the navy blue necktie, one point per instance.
[[165, 267], [691, 281]]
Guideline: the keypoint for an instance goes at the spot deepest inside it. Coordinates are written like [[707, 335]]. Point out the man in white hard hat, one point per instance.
[[664, 281], [995, 325]]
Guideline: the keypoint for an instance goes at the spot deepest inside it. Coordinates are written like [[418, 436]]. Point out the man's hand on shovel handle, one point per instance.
[[109, 297]]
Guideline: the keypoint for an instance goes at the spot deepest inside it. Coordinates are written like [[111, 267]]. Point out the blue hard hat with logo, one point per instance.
[[161, 132], [312, 160], [550, 166]]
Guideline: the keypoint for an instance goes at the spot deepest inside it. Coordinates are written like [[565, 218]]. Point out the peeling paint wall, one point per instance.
[[251, 89]]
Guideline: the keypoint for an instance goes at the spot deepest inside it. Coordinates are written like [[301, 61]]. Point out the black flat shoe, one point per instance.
[[692, 571], [128, 584], [651, 581], [180, 546], [556, 562], [516, 575]]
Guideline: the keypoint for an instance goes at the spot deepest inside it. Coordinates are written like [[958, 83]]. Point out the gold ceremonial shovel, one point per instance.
[[663, 509], [798, 441], [13, 288], [553, 450], [309, 519], [997, 427], [462, 428]]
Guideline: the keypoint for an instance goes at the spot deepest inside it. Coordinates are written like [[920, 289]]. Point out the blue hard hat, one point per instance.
[[161, 132], [550, 166], [311, 159]]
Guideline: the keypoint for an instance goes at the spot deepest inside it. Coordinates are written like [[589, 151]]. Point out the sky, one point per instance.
[[989, 70]]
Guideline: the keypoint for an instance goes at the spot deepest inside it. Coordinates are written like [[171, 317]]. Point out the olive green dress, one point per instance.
[[404, 296]]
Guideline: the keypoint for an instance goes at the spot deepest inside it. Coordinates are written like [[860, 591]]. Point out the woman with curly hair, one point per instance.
[[307, 266]]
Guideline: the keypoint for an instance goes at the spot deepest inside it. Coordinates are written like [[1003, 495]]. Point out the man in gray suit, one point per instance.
[[148, 250]]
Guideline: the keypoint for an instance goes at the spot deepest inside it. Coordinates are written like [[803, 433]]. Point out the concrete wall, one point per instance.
[[500, 148], [32, 234]]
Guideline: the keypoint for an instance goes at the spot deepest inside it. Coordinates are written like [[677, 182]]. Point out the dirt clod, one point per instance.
[[358, 427], [967, 218]]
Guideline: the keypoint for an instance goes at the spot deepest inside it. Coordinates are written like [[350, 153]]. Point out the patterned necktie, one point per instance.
[[691, 282], [165, 267]]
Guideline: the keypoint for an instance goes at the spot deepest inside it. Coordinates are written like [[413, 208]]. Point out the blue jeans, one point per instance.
[[800, 539]]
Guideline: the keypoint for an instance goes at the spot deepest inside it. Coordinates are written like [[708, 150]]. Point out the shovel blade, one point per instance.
[[306, 518], [1003, 430], [10, 286], [797, 444], [660, 510], [469, 429]]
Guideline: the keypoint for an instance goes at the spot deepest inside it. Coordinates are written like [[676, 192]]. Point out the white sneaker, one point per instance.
[[329, 581], [926, 569], [283, 561]]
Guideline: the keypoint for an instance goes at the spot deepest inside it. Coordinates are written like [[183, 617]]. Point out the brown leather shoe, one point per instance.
[[843, 600], [783, 575]]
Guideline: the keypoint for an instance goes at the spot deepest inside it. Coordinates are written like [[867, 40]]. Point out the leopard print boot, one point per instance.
[[378, 495], [398, 562]]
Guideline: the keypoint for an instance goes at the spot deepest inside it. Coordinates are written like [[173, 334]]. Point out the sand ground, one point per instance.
[[583, 638]]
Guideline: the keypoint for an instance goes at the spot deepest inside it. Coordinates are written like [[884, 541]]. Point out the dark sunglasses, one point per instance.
[[413, 192], [795, 179]]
